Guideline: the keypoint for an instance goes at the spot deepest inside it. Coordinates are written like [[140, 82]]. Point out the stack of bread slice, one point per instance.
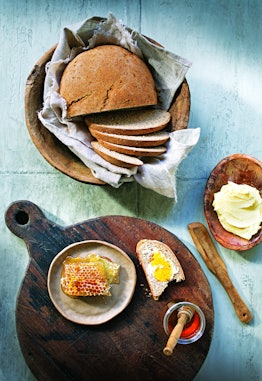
[[124, 137]]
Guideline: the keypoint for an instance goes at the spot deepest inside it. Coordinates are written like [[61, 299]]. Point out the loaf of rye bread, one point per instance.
[[107, 77], [113, 90]]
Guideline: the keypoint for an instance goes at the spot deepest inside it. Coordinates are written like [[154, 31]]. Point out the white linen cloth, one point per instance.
[[168, 70]]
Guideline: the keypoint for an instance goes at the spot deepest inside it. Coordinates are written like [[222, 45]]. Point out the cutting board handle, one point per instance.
[[21, 216], [27, 221]]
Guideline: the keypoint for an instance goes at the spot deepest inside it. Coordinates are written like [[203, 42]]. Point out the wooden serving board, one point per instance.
[[130, 345]]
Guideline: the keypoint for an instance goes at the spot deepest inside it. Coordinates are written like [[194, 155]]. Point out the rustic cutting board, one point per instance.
[[130, 345]]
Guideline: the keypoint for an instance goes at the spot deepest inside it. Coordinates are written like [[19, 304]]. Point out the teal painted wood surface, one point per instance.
[[223, 39]]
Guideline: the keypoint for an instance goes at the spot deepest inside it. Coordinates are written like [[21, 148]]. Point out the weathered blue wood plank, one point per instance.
[[224, 42]]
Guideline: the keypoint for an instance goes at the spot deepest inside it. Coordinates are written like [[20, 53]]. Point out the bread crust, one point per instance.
[[107, 77], [144, 251]]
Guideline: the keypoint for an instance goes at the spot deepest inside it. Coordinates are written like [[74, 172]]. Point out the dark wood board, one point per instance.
[[130, 345]]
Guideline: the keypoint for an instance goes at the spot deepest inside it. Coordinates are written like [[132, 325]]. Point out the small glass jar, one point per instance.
[[193, 330]]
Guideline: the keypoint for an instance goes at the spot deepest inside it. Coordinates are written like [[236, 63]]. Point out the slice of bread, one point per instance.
[[129, 122], [160, 265], [116, 158], [149, 140], [134, 151], [106, 77]]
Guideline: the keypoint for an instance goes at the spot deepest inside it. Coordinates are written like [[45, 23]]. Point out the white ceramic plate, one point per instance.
[[98, 309]]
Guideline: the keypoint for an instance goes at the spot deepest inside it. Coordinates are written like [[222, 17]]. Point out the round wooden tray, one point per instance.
[[56, 153]]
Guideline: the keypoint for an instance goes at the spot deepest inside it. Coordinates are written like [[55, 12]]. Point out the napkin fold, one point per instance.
[[159, 173], [168, 70]]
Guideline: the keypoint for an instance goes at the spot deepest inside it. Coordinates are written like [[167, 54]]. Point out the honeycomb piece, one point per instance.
[[81, 277]]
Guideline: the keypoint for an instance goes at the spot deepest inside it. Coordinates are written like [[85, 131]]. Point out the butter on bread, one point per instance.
[[159, 264], [105, 78], [90, 276]]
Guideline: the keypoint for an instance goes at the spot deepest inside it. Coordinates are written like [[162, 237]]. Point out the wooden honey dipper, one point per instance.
[[184, 316]]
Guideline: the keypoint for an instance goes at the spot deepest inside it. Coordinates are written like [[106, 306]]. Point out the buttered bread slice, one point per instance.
[[160, 265]]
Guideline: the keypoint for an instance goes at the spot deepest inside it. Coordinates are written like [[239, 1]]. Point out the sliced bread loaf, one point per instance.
[[134, 151], [149, 140], [129, 122], [160, 265], [116, 158]]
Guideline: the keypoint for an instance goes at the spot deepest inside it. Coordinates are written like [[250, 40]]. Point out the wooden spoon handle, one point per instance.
[[215, 264], [175, 335]]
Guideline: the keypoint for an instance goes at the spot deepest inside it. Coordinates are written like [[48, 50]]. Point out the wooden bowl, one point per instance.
[[55, 152], [241, 169]]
